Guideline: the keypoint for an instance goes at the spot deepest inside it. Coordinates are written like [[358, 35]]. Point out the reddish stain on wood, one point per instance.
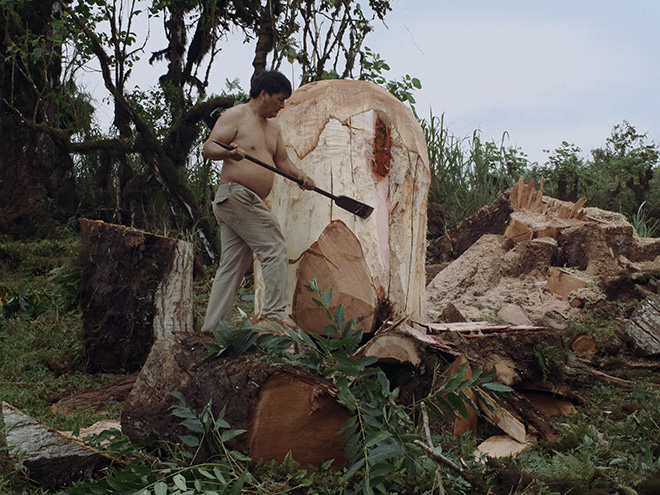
[[382, 151]]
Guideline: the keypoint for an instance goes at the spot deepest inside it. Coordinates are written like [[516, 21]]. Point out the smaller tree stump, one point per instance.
[[136, 288]]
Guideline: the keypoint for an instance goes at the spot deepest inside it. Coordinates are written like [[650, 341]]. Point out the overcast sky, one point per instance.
[[543, 71]]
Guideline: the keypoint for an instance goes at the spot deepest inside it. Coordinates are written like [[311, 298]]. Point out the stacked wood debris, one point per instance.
[[533, 259]]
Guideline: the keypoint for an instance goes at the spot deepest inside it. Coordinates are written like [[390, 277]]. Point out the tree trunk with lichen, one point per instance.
[[136, 288], [37, 189], [354, 139]]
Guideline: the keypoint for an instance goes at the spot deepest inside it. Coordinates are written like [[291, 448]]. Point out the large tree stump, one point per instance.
[[355, 139], [136, 288], [282, 408]]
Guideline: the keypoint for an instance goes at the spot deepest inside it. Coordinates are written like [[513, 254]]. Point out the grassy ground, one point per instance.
[[611, 446]]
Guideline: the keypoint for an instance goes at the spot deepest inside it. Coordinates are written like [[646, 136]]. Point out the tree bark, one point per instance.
[[643, 329]]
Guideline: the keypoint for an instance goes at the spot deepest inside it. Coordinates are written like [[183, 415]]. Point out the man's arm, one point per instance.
[[284, 163], [224, 130]]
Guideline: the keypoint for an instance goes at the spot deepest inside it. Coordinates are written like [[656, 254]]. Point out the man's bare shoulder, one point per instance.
[[237, 111]]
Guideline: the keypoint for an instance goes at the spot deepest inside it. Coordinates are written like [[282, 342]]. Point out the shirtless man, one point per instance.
[[246, 225]]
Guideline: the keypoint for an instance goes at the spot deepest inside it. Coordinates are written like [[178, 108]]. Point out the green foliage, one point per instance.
[[149, 106], [452, 398], [22, 302], [550, 360], [140, 473], [645, 224], [627, 163], [563, 173], [372, 68], [331, 35], [621, 176], [207, 431]]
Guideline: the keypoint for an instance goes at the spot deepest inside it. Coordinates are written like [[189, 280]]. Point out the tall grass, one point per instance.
[[468, 173], [644, 222]]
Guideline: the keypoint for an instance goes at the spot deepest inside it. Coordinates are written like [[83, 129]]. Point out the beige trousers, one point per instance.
[[246, 226]]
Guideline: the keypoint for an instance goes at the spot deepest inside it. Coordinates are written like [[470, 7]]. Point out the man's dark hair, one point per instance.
[[272, 82]]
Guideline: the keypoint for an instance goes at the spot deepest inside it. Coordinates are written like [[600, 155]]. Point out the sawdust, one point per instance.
[[502, 282]]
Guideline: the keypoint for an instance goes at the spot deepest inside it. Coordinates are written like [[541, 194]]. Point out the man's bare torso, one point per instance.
[[259, 138]]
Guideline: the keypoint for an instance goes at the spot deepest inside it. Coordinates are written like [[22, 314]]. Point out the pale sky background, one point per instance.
[[543, 71]]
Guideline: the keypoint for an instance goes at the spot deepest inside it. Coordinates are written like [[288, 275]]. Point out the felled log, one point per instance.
[[584, 345], [282, 408], [355, 139], [50, 457], [510, 349], [298, 414], [136, 288], [581, 372], [643, 328], [97, 399]]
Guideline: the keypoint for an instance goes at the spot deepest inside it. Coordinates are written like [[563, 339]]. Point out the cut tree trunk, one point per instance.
[[136, 288], [584, 345], [297, 414], [282, 408], [355, 139]]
